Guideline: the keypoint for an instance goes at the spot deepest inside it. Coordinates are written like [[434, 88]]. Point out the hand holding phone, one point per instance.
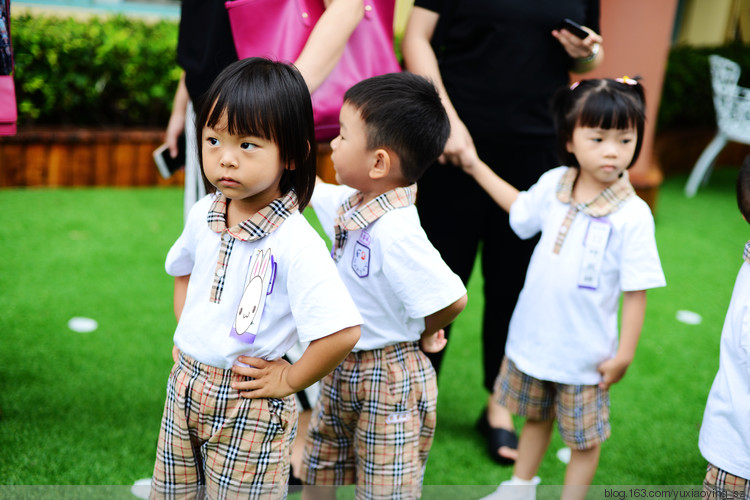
[[573, 27], [167, 165]]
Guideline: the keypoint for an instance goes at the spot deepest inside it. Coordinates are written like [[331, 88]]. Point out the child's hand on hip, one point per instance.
[[612, 371], [434, 342], [268, 379]]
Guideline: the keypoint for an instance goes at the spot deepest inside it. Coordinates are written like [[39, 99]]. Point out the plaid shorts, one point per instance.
[[214, 442], [582, 411], [721, 485], [373, 423]]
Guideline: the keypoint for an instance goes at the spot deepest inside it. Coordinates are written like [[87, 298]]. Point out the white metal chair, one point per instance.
[[732, 106]]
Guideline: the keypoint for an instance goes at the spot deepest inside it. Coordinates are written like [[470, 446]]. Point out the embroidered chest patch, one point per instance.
[[361, 256], [258, 285]]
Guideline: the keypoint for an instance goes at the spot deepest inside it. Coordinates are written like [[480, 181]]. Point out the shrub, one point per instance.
[[96, 72], [686, 100]]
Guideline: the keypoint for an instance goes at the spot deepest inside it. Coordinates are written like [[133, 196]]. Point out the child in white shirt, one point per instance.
[[725, 433], [252, 277], [375, 419], [597, 244]]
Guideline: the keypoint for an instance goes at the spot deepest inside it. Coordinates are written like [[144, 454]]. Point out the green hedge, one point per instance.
[[96, 72], [686, 100], [121, 71]]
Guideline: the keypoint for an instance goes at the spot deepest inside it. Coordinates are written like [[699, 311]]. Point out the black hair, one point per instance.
[[598, 103], [402, 112], [270, 100], [743, 189]]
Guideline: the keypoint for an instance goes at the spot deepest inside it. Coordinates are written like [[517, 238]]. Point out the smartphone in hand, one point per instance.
[[167, 165], [573, 27]]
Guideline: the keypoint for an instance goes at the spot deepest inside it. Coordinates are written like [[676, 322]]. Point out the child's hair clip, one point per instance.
[[574, 85], [627, 80]]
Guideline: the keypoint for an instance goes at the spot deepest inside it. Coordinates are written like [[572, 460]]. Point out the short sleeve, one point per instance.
[[319, 301], [433, 5], [526, 213], [592, 15], [419, 277], [640, 267], [181, 257]]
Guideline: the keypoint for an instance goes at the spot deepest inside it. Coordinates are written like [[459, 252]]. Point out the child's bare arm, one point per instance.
[[431, 340], [503, 193], [633, 312], [180, 292], [278, 378]]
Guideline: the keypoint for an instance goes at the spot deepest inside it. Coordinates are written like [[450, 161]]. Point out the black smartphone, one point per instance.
[[167, 165], [573, 27]]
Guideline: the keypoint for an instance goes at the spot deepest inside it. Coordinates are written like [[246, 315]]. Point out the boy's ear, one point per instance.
[[381, 164]]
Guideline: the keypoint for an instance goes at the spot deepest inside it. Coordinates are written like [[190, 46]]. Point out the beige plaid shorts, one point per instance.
[[373, 423], [721, 485], [582, 411], [215, 443]]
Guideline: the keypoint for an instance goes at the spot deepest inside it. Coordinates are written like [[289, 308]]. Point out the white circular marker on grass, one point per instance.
[[689, 317], [82, 325], [563, 455]]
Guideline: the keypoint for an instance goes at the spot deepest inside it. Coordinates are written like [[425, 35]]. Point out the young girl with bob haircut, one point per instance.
[[252, 277], [597, 245]]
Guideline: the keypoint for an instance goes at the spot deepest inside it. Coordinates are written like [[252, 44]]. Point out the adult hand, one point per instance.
[[459, 149], [575, 47]]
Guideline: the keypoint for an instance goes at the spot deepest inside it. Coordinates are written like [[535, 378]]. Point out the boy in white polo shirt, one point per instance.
[[725, 433], [374, 421]]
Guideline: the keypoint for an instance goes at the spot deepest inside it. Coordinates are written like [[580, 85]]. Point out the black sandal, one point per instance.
[[496, 439]]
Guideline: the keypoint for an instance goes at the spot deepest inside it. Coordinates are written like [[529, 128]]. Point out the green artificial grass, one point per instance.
[[84, 408]]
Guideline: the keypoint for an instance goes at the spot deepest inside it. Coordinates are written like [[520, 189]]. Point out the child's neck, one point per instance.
[[375, 189], [586, 189]]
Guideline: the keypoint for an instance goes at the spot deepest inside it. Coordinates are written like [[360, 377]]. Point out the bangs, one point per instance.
[[608, 110], [252, 120]]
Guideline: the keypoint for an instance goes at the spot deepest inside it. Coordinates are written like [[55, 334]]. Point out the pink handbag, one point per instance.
[[279, 29], [8, 111]]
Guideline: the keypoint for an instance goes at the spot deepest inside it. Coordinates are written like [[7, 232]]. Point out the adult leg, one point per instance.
[[449, 210]]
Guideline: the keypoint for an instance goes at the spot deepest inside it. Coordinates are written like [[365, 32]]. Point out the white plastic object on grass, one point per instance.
[[689, 317], [563, 455], [82, 325], [141, 488]]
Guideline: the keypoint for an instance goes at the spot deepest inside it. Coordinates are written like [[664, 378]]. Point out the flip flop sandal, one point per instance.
[[496, 439]]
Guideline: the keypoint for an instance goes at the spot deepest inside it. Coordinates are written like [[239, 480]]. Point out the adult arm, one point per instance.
[[420, 59], [327, 40], [176, 124], [587, 53], [279, 378], [633, 312]]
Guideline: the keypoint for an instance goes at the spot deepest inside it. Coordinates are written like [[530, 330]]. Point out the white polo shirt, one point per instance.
[[725, 434], [394, 274], [561, 331], [305, 298]]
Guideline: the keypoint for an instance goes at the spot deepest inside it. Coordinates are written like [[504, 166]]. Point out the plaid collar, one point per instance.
[[608, 201], [746, 253], [261, 224], [369, 213]]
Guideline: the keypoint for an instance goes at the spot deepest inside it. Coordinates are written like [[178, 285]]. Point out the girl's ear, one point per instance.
[[569, 146], [381, 165], [290, 166]]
